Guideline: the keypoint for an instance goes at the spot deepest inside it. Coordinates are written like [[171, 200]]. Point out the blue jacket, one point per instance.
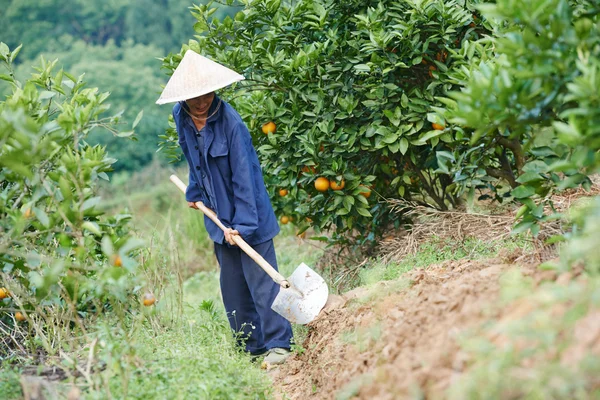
[[228, 178]]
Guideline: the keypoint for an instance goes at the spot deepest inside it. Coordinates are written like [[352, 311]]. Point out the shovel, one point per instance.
[[302, 295]]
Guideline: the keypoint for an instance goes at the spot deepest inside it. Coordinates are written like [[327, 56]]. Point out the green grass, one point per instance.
[[9, 383], [194, 357], [435, 251]]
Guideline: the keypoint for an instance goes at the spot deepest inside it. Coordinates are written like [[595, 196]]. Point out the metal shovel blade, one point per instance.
[[306, 297]]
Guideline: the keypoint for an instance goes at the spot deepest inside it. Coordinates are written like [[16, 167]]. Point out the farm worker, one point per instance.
[[225, 175]]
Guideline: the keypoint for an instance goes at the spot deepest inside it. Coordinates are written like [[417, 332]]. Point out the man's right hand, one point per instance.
[[192, 204]]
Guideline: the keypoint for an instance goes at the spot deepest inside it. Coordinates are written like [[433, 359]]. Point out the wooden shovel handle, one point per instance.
[[277, 277]]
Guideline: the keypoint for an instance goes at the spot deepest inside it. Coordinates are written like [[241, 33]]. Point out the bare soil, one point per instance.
[[397, 339]]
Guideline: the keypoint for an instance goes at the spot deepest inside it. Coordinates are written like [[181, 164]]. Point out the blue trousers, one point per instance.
[[248, 293]]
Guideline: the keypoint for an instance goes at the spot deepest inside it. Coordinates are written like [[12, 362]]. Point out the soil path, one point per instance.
[[398, 339]]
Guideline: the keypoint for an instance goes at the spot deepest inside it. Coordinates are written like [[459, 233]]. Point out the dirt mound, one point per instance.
[[398, 339]]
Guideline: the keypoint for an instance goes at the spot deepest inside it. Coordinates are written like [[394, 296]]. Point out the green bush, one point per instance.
[[61, 259], [528, 110]]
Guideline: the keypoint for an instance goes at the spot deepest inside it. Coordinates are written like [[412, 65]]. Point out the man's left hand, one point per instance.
[[229, 233]]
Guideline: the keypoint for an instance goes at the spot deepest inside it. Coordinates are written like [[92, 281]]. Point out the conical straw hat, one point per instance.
[[196, 75]]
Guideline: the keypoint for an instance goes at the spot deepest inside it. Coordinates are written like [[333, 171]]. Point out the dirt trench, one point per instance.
[[398, 339]]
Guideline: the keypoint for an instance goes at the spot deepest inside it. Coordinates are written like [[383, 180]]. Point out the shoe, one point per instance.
[[256, 357], [275, 356]]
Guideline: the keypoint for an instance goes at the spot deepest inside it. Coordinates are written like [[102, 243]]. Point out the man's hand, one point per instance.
[[191, 204], [229, 233]]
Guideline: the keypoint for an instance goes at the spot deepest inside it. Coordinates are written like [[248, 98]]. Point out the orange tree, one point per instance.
[[348, 87], [528, 110], [61, 258]]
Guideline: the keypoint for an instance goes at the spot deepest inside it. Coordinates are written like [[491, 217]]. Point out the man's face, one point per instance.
[[200, 105]]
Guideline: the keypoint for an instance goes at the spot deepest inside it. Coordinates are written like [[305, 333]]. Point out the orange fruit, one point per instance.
[[308, 169], [322, 184], [19, 316], [269, 127], [117, 262], [4, 293], [431, 69], [28, 213], [149, 299], [302, 235], [284, 219], [309, 220], [335, 186], [438, 127], [283, 192], [367, 193]]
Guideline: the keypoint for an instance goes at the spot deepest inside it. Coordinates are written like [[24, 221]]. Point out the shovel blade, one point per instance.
[[306, 297]]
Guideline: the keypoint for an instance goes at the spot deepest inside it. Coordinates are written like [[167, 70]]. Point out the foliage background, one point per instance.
[[117, 45]]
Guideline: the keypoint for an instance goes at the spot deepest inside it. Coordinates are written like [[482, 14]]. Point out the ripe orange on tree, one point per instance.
[[441, 55], [269, 127], [438, 127], [335, 186], [149, 299], [431, 69], [367, 193], [283, 192], [19, 316], [116, 260], [322, 184], [28, 213], [284, 219], [4, 293]]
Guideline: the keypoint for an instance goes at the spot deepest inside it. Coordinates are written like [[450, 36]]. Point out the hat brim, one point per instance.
[[193, 94]]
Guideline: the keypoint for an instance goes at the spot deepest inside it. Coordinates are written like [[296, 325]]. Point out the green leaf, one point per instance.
[[91, 202], [522, 191], [364, 212], [41, 216], [132, 244], [92, 227], [137, 119], [107, 246], [362, 68], [404, 100], [522, 227], [403, 145], [529, 177]]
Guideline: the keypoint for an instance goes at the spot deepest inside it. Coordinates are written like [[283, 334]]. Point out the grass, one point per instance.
[[193, 357], [544, 353], [436, 251]]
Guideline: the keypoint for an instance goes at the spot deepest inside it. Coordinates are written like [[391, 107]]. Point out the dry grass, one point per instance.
[[460, 224]]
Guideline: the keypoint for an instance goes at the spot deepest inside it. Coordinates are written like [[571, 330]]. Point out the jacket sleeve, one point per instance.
[[194, 191], [245, 218]]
